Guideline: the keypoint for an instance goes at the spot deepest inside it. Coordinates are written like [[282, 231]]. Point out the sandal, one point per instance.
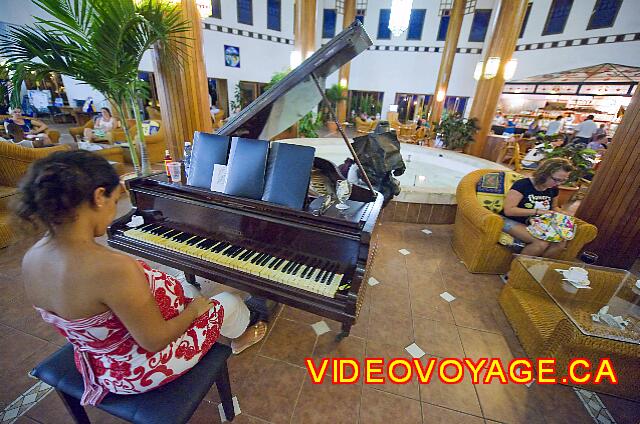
[[256, 338]]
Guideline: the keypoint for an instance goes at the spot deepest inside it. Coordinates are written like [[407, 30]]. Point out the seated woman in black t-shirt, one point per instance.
[[535, 196]]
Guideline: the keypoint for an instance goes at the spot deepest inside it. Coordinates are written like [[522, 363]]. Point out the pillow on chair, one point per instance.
[[150, 127], [490, 192]]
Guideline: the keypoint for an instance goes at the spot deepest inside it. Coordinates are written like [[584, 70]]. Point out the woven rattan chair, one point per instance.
[[477, 232]]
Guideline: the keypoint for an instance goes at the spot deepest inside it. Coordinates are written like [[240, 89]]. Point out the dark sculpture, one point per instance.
[[381, 160]]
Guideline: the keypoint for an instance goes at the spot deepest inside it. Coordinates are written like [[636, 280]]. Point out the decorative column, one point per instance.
[[183, 91], [613, 201], [456, 15], [343, 74], [502, 45], [305, 28]]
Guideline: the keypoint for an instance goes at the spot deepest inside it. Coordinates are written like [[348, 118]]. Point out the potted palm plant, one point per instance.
[[455, 131], [334, 95], [582, 160], [99, 42]]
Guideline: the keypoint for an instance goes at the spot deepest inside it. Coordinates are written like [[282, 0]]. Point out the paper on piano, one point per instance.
[[219, 178], [136, 221]]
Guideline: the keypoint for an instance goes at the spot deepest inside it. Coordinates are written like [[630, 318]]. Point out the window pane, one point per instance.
[[444, 25], [329, 23], [557, 18], [384, 33], [604, 14], [526, 18], [416, 22], [245, 12], [273, 15], [216, 9], [480, 25]]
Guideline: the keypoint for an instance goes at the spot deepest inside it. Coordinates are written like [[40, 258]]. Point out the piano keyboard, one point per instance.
[[302, 272]]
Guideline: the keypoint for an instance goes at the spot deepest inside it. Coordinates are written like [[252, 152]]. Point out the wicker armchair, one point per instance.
[[112, 136], [14, 162], [54, 135], [477, 232], [156, 144], [365, 127]]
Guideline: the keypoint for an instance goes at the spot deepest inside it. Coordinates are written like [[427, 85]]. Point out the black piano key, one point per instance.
[[278, 264], [257, 258], [326, 278], [265, 260], [288, 266], [194, 240], [206, 244], [320, 275], [310, 269], [223, 247], [273, 262]]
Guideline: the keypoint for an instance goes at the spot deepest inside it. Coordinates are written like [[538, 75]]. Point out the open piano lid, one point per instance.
[[296, 94]]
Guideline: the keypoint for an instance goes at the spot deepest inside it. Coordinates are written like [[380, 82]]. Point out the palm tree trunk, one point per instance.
[[127, 136], [142, 148]]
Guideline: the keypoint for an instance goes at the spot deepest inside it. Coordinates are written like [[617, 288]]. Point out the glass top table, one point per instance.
[[615, 288]]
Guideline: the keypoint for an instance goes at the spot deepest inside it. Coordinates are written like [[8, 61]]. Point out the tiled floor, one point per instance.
[[269, 379]]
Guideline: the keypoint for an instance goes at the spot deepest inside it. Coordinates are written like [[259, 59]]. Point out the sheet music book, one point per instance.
[[208, 150], [246, 167], [288, 173]]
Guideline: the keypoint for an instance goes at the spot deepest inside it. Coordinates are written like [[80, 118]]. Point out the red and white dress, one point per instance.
[[110, 360]]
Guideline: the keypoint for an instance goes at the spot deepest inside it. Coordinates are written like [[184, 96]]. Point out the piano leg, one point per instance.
[[346, 329], [191, 279]]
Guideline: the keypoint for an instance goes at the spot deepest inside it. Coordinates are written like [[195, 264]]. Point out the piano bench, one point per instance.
[[174, 402]]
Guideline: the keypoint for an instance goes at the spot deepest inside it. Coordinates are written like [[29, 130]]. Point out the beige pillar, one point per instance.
[[182, 91], [343, 74], [502, 44], [456, 15], [613, 201], [305, 27]]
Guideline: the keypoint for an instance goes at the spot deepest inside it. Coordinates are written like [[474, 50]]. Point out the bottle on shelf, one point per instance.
[[167, 159]]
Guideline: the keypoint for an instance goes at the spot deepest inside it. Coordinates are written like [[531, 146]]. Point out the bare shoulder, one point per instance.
[[117, 265]]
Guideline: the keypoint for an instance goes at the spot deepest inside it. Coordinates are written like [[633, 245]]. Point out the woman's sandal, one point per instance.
[[256, 338]]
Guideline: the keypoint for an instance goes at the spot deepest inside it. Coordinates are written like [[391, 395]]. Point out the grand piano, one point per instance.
[[315, 259]]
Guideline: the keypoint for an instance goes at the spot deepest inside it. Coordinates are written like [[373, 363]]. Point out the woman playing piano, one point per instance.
[[132, 327]]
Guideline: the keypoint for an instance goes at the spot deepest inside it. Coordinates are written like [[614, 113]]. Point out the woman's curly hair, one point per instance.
[[56, 185], [549, 166]]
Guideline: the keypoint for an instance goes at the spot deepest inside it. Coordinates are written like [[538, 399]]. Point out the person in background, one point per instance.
[[133, 328], [600, 131], [510, 129], [568, 120], [534, 127], [584, 130], [33, 129], [499, 119], [535, 195], [554, 127], [599, 142], [104, 123]]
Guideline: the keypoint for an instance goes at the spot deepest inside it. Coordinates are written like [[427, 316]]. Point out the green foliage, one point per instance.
[[236, 102], [309, 124], [99, 42], [276, 78], [455, 131], [334, 95], [4, 82], [581, 158]]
